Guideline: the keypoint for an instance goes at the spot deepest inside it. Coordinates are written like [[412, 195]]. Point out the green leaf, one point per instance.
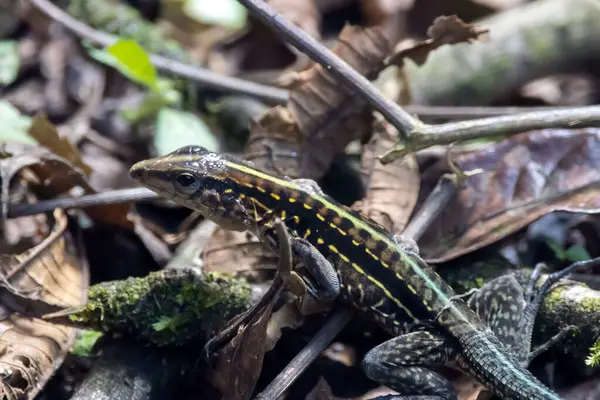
[[593, 359], [168, 322], [154, 102], [9, 61], [175, 129], [134, 62], [85, 342], [559, 253], [228, 13], [15, 126], [577, 253]]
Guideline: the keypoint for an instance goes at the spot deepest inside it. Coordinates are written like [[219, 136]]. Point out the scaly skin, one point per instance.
[[350, 255]]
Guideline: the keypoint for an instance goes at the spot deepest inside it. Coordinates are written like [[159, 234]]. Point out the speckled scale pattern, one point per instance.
[[500, 371], [500, 303], [375, 275]]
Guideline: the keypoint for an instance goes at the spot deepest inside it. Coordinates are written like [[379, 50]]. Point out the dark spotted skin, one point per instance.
[[372, 270]]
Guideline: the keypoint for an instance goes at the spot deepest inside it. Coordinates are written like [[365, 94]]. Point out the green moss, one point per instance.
[[85, 342], [593, 360], [168, 307]]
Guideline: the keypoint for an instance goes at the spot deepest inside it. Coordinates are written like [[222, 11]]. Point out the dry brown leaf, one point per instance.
[[52, 175], [230, 252], [274, 143], [47, 135], [524, 178], [240, 361], [444, 30], [328, 114], [392, 189], [49, 274], [321, 391], [380, 10], [451, 30], [391, 15]]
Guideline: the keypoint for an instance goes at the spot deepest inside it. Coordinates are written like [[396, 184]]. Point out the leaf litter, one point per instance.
[[524, 178]]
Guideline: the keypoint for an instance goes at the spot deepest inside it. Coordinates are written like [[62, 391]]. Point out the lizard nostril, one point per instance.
[[136, 172]]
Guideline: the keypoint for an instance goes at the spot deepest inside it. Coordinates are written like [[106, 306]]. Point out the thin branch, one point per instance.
[[421, 135], [332, 327], [268, 94], [462, 112], [90, 200], [431, 135], [348, 76]]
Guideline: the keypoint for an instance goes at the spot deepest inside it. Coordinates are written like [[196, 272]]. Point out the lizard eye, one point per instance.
[[187, 183]]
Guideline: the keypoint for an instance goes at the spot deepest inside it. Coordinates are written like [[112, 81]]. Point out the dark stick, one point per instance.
[[399, 118], [432, 207], [268, 94], [90, 200], [333, 326]]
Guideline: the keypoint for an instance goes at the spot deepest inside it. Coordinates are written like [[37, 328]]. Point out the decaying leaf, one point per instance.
[[234, 252], [524, 178], [302, 13], [328, 114], [47, 135], [275, 142], [47, 276], [51, 175], [54, 174], [444, 30], [392, 189], [321, 391], [240, 361], [242, 345]]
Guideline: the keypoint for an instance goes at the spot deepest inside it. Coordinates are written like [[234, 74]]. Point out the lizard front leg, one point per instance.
[[320, 270]]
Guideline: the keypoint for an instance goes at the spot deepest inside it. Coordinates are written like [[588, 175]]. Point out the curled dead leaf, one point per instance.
[[321, 391], [327, 113], [240, 362], [451, 29], [392, 189], [47, 277], [49, 175], [47, 135], [444, 30], [524, 177]]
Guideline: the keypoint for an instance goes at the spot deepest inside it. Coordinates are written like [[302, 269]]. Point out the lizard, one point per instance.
[[355, 259]]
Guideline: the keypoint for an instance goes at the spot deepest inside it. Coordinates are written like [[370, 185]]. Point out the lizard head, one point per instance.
[[198, 179]]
